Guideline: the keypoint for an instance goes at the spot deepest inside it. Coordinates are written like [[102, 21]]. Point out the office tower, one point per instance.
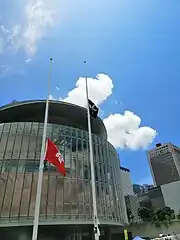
[[132, 203], [164, 163], [126, 181]]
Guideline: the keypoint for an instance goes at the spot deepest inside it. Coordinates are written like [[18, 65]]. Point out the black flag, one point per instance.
[[93, 109]]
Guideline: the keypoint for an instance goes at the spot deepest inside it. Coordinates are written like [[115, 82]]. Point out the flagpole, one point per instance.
[[41, 164], [95, 217]]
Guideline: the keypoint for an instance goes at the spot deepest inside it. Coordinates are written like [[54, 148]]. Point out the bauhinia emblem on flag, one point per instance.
[[93, 110], [54, 156]]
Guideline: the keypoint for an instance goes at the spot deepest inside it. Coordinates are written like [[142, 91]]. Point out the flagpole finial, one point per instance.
[[50, 59]]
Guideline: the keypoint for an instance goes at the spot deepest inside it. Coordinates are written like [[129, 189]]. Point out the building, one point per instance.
[[166, 195], [147, 187], [171, 195], [126, 181], [164, 163], [66, 203], [141, 189], [132, 203], [137, 189], [144, 200], [156, 198]]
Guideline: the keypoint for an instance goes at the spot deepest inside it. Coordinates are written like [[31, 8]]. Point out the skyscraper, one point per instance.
[[132, 203], [126, 181], [164, 163]]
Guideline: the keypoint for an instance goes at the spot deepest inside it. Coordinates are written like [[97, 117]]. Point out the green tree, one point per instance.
[[165, 213], [145, 214]]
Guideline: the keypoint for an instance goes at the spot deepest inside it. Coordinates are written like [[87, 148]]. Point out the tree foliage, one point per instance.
[[145, 214], [165, 213], [159, 215]]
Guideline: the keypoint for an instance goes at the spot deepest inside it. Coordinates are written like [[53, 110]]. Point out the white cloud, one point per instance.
[[37, 18], [99, 88], [27, 60], [124, 131]]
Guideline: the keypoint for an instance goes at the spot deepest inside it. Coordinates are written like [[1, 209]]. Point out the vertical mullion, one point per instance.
[[55, 195], [116, 169], [105, 167], [121, 200], [99, 177], [114, 183], [5, 147], [102, 175], [1, 133], [83, 174], [32, 172], [109, 182], [8, 170], [63, 180], [1, 160], [14, 184], [77, 173], [70, 165], [90, 203], [49, 171], [20, 151], [67, 178], [25, 165]]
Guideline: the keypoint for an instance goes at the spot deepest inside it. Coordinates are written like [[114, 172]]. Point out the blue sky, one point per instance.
[[134, 44]]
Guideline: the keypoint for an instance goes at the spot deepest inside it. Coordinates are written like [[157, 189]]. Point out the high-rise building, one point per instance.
[[164, 163], [66, 210], [132, 203], [126, 181]]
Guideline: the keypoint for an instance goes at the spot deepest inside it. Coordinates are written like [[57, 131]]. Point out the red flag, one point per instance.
[[53, 156]]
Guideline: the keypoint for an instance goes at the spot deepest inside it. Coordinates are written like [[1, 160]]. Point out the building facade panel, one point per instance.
[[156, 198], [171, 195], [66, 198]]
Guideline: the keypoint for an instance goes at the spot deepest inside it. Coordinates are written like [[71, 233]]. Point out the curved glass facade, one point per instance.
[[66, 198]]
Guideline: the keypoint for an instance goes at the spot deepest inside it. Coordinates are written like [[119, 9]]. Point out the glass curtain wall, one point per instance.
[[66, 198]]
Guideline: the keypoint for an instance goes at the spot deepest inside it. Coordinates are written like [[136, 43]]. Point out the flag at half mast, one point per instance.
[[54, 156]]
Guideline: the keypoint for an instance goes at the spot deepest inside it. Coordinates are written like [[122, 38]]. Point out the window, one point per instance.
[[31, 166], [86, 172]]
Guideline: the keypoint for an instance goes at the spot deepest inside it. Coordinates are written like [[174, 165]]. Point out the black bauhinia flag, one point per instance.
[[93, 110]]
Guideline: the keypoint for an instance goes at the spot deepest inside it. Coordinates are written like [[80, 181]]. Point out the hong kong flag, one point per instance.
[[53, 156]]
